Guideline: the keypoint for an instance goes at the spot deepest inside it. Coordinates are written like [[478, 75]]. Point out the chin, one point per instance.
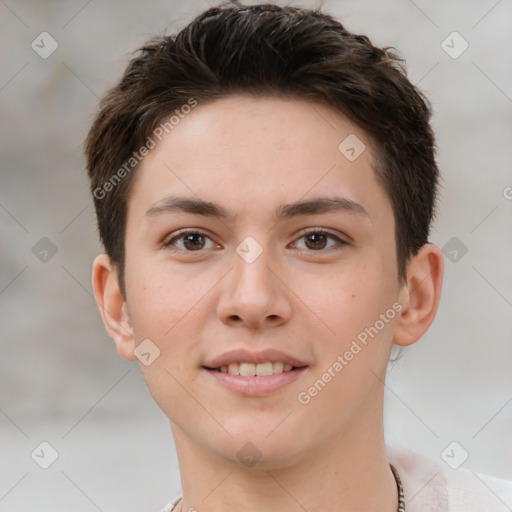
[[258, 447]]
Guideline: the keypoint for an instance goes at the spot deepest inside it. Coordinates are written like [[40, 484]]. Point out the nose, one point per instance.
[[254, 295]]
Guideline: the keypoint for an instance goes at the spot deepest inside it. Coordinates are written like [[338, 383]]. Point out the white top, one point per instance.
[[433, 486]]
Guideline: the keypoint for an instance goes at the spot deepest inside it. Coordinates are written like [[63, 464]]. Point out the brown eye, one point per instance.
[[318, 240], [193, 241], [190, 241]]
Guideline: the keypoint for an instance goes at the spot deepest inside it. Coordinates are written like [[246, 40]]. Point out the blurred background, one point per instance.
[[61, 380]]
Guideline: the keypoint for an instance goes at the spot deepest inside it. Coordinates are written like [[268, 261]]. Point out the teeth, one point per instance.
[[278, 367], [262, 369], [251, 369], [247, 369]]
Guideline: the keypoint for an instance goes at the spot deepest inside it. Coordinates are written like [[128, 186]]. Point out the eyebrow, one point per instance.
[[314, 206]]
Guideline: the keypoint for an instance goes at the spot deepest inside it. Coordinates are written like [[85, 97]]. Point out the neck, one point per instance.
[[348, 473]]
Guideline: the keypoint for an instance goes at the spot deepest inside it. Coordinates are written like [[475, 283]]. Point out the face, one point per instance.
[[299, 270]]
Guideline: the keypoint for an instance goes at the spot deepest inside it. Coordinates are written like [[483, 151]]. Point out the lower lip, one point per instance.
[[256, 385]]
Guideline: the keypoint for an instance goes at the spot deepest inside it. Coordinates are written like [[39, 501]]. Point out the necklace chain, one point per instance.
[[401, 498]]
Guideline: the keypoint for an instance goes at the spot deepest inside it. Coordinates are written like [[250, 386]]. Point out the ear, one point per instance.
[[420, 295], [113, 308]]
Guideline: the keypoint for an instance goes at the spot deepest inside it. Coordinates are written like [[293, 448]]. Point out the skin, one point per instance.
[[250, 155]]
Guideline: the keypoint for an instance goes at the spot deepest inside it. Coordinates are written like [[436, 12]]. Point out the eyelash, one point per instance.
[[313, 231]]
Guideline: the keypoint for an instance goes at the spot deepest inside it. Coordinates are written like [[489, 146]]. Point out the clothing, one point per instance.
[[433, 486]]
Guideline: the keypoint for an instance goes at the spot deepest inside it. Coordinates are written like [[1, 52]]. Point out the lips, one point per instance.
[[259, 373], [251, 369], [236, 357], [254, 385]]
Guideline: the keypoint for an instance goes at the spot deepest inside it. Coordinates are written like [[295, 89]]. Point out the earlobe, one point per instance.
[[113, 308], [423, 292]]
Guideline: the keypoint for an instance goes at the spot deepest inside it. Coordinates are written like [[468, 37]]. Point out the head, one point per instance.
[[245, 119]]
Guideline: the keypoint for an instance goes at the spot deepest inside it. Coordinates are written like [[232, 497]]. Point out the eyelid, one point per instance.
[[318, 229], [167, 243], [314, 230]]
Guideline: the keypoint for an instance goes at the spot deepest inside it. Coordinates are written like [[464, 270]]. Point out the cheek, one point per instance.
[[351, 298], [164, 299], [357, 307], [352, 361], [164, 305]]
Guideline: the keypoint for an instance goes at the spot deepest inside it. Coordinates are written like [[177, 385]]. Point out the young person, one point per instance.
[[264, 183]]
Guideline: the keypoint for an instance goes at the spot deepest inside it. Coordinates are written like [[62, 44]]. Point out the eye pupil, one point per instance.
[[196, 241], [318, 237], [193, 237]]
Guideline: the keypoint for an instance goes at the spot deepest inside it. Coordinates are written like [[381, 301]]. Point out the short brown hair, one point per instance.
[[267, 50]]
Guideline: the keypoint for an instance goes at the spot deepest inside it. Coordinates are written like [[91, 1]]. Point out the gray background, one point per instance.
[[62, 380]]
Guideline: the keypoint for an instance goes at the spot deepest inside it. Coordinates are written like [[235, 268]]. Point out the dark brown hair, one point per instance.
[[275, 51]]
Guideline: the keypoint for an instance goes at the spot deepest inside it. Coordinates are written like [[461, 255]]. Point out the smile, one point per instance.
[[247, 383], [259, 369], [250, 373]]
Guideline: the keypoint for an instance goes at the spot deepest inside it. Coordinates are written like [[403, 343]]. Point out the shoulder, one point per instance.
[[433, 486]]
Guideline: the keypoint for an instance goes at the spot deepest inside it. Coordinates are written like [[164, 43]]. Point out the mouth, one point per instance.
[[255, 380], [250, 373], [265, 369]]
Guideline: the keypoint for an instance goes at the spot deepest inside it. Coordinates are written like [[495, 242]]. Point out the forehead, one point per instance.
[[254, 153]]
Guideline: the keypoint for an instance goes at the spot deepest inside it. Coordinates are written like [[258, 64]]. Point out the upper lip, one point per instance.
[[246, 356]]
